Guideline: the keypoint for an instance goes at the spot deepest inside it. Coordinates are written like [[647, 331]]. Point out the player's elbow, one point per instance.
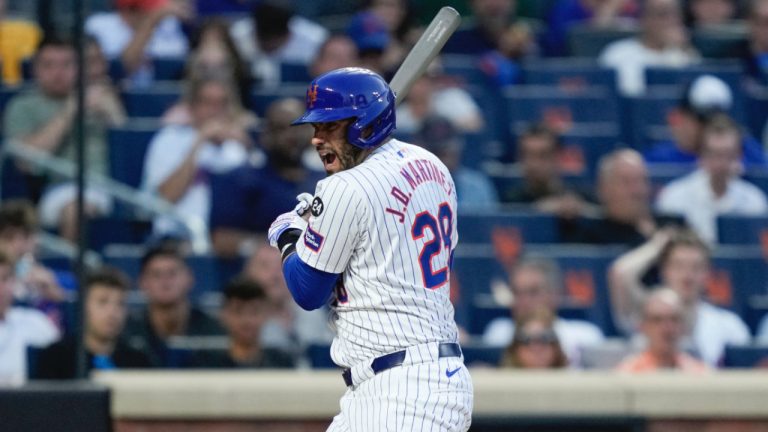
[[310, 288], [310, 303]]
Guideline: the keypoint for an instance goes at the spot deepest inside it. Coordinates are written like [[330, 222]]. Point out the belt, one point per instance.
[[388, 361]]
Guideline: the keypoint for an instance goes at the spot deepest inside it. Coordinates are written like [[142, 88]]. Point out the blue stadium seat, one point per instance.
[[477, 355], [738, 275], [319, 356], [589, 41], [729, 71], [742, 230], [464, 68], [718, 43], [593, 105], [533, 227], [168, 69], [644, 119], [755, 107], [568, 74], [294, 73], [151, 102], [127, 148], [262, 98], [103, 231], [746, 356]]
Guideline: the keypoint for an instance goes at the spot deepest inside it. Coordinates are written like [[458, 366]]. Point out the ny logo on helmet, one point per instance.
[[311, 96]]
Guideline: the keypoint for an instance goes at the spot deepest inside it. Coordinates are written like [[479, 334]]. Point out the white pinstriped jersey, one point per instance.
[[389, 225]]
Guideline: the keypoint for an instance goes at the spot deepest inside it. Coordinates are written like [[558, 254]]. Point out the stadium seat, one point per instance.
[[645, 118], [478, 355], [561, 109], [571, 74], [262, 98], [718, 42], [103, 231], [168, 69], [742, 230], [755, 107], [151, 102], [127, 148], [729, 71], [738, 275], [533, 227], [588, 41], [319, 356], [294, 73], [746, 356], [465, 69]]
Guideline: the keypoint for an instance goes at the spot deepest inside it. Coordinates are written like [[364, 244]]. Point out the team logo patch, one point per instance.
[[317, 207], [311, 96], [313, 240]]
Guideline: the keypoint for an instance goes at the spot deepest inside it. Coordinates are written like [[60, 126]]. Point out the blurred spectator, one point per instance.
[[502, 65], [662, 325], [243, 314], [398, 19], [566, 14], [19, 328], [703, 14], [490, 19], [105, 291], [537, 160], [536, 344], [214, 56], [473, 188], [18, 40], [663, 41], [207, 8], [34, 284], [42, 118], [336, 52], [715, 187], [289, 327], [274, 34], [624, 194], [139, 31], [754, 54], [703, 98], [372, 39], [761, 335], [437, 94], [166, 280], [536, 285], [245, 201], [181, 157], [683, 261]]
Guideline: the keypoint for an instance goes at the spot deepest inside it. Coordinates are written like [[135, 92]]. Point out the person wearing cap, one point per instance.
[[704, 97], [371, 36], [474, 189], [715, 187], [141, 30]]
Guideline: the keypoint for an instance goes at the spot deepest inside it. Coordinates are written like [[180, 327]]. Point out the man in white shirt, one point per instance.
[[534, 284], [662, 41], [715, 188], [19, 328]]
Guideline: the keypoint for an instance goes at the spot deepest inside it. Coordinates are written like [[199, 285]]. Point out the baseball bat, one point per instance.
[[424, 51]]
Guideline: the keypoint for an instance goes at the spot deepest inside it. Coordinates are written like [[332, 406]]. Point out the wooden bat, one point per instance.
[[426, 49]]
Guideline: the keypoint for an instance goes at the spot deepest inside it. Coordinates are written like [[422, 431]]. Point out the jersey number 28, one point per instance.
[[441, 228]]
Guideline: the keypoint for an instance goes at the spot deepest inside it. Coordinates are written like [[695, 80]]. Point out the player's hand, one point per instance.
[[290, 220]]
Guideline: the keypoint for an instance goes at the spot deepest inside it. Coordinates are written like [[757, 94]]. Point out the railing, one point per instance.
[[133, 197]]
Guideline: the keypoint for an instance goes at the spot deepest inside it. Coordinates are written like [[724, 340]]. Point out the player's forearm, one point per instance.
[[311, 288]]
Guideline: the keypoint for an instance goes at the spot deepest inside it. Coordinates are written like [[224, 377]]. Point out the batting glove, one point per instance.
[[290, 220]]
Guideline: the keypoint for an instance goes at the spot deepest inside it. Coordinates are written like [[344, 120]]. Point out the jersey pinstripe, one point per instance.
[[388, 226]]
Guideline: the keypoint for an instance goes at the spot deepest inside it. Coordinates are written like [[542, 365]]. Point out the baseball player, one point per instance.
[[379, 240]]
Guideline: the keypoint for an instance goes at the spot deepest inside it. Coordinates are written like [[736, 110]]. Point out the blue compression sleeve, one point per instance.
[[309, 286]]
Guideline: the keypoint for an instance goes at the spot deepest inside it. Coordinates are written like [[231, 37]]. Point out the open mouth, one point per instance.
[[329, 159]]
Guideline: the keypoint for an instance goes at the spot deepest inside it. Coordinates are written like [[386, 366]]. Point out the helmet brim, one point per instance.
[[321, 116]]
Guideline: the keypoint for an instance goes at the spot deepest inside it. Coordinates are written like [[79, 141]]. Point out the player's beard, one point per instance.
[[350, 156]]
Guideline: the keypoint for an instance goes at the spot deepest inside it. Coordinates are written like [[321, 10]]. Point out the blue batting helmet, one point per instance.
[[352, 93]]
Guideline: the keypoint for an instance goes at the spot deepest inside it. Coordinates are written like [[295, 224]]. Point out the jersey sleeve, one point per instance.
[[335, 227]]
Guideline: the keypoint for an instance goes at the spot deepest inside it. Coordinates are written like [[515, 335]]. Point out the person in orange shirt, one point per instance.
[[18, 41], [663, 328]]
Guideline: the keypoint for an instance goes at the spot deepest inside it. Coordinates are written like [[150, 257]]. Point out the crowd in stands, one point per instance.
[[609, 159]]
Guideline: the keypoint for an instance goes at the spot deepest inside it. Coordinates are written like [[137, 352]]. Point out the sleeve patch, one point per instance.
[[313, 240]]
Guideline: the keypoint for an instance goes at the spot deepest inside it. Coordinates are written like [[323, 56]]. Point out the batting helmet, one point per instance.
[[355, 93]]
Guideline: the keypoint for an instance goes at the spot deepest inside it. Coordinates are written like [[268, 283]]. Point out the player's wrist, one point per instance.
[[286, 242]]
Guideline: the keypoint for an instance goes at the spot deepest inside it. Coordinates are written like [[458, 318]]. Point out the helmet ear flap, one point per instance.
[[381, 125]]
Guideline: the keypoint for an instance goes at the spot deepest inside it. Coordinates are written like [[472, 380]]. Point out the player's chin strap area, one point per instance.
[[411, 355], [286, 243]]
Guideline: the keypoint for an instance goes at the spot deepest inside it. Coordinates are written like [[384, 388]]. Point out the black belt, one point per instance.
[[388, 361]]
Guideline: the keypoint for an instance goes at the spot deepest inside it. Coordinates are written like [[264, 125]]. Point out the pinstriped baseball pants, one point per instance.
[[423, 397]]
